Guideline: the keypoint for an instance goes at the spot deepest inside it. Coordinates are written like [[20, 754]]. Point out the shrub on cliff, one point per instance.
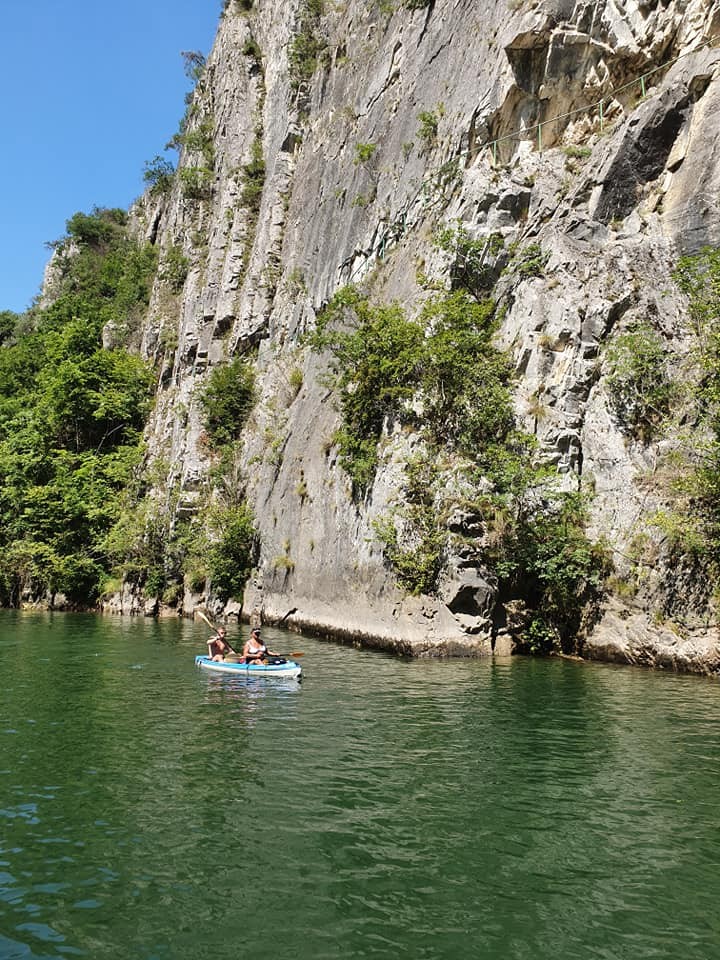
[[253, 177], [639, 383], [693, 525], [445, 360], [196, 182], [307, 47], [231, 553], [227, 400], [377, 358], [101, 227], [443, 374], [158, 175]]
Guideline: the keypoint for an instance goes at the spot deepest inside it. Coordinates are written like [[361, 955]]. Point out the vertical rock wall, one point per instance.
[[614, 218]]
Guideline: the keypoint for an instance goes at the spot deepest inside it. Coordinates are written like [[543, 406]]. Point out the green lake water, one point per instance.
[[538, 809]]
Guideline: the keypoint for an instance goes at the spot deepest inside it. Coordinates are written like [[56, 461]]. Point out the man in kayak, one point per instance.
[[218, 646], [255, 650]]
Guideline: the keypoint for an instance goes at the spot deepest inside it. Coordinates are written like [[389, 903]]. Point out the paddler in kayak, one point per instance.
[[255, 650], [218, 646]]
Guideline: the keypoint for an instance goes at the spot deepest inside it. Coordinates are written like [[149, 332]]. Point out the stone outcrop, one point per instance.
[[630, 637], [640, 189]]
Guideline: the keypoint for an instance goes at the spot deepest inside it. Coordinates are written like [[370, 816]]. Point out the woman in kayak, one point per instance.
[[218, 647], [255, 650]]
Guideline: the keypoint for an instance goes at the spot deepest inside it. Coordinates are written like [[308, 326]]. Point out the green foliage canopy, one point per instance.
[[8, 322], [71, 414], [158, 174]]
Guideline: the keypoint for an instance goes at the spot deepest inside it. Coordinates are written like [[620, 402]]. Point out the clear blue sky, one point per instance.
[[90, 91]]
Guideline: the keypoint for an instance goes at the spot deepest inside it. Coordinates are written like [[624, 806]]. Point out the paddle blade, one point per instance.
[[296, 653], [203, 617]]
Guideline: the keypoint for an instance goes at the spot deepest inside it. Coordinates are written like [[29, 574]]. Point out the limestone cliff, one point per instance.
[[469, 111]]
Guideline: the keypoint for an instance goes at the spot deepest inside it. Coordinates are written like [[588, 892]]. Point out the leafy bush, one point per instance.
[[529, 262], [227, 400], [307, 47], [200, 140], [577, 153], [253, 178], [364, 152], [151, 550], [295, 381], [230, 557], [699, 278], [251, 48], [8, 322], [464, 377], [158, 175], [193, 64], [98, 229], [196, 182], [106, 280], [173, 268], [696, 526], [639, 384], [376, 364], [547, 558], [161, 554], [427, 131], [446, 359], [414, 539], [473, 261], [87, 395]]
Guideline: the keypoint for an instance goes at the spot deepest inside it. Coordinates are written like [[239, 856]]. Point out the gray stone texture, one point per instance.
[[613, 222]]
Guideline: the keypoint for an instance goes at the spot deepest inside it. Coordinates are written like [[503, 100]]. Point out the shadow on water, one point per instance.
[[382, 808]]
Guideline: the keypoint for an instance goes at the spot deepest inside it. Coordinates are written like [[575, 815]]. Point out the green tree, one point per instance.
[[71, 414], [8, 322]]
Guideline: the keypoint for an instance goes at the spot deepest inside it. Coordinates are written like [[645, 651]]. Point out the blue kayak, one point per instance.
[[289, 670]]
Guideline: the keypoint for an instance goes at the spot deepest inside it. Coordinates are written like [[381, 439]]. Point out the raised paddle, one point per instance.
[[213, 627], [203, 617], [295, 653]]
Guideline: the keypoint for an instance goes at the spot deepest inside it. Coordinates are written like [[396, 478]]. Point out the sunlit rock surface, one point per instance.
[[613, 218]]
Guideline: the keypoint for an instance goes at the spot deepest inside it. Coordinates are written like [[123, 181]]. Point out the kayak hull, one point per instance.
[[290, 670]]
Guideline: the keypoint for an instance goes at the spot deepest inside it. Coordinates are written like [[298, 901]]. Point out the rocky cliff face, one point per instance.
[[381, 125]]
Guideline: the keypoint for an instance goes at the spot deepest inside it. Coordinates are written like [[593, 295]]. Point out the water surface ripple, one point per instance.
[[545, 810]]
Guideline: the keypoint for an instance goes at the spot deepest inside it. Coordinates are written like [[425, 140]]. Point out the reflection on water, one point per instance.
[[243, 699], [383, 808]]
